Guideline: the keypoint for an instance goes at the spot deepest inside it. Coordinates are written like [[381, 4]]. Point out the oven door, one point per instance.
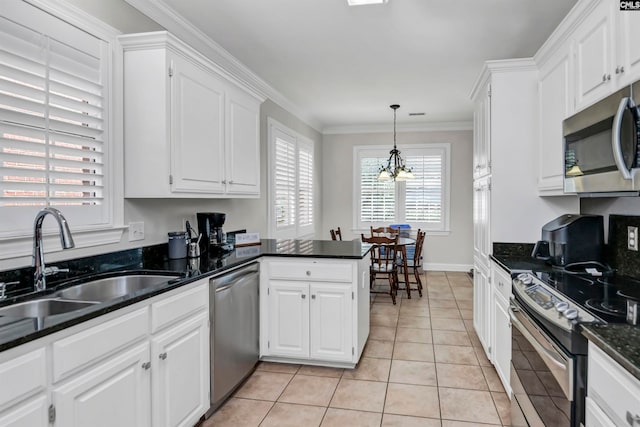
[[542, 375]]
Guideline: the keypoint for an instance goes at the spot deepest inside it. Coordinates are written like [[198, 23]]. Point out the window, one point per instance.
[[291, 183], [54, 118], [422, 202]]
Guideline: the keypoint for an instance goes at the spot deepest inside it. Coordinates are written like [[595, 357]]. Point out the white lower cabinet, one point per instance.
[[180, 373], [482, 307], [331, 309], [114, 393], [288, 319], [32, 413], [501, 324]]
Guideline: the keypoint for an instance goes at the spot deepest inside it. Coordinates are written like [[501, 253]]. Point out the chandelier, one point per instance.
[[396, 169]]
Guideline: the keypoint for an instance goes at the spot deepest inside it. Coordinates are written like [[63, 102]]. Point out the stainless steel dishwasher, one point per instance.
[[234, 315]]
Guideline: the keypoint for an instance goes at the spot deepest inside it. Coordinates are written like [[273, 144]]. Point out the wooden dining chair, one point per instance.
[[336, 234], [384, 231], [383, 262], [414, 263]]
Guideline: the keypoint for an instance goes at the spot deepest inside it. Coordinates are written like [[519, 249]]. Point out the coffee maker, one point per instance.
[[210, 226]]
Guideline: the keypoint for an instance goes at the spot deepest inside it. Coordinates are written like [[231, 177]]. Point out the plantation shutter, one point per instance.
[[377, 198], [285, 181], [52, 114], [305, 186], [424, 194]]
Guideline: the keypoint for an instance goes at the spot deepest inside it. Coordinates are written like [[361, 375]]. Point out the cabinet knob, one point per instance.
[[146, 366], [313, 297], [303, 296], [230, 181], [163, 356], [608, 77], [224, 181], [621, 69], [308, 273], [500, 284], [633, 419]]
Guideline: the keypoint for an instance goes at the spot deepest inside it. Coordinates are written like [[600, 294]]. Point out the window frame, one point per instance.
[[16, 243], [295, 231], [363, 151]]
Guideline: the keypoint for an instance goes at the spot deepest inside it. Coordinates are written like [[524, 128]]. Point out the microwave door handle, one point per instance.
[[616, 143]]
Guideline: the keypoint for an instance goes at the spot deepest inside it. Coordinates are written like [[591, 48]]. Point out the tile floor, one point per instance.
[[422, 366]]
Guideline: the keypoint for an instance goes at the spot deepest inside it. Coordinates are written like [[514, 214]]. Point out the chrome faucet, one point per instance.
[[40, 273]]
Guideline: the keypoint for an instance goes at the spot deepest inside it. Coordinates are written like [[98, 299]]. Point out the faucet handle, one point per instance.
[[3, 288], [50, 271]]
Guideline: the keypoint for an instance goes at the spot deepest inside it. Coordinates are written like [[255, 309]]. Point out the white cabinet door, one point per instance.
[[33, 413], [627, 49], [288, 319], [594, 416], [593, 55], [180, 373], [331, 322], [243, 144], [482, 307], [481, 220], [197, 128], [115, 393], [502, 340], [482, 134], [555, 104]]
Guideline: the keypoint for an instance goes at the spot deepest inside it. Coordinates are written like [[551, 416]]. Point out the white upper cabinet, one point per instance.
[[189, 132], [627, 68], [555, 99], [482, 133]]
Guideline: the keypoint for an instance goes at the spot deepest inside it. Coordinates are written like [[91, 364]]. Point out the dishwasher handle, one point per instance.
[[227, 281]]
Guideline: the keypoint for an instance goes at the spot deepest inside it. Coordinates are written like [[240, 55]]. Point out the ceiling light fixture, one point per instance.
[[396, 169], [365, 2]]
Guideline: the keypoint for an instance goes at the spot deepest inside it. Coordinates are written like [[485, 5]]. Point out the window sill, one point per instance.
[[366, 232], [22, 245]]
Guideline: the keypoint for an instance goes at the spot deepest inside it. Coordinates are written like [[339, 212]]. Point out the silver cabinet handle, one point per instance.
[[500, 284], [608, 76], [163, 356], [604, 77], [308, 273], [621, 69], [313, 297], [146, 366], [633, 419], [303, 296], [224, 181]]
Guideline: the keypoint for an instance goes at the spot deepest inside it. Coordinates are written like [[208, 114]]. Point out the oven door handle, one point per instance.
[[616, 143], [532, 340]]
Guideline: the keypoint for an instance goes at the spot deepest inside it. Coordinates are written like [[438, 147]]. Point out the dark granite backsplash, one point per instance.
[[512, 250], [627, 262]]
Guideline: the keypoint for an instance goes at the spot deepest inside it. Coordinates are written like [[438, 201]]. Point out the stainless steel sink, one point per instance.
[[112, 287], [43, 308]]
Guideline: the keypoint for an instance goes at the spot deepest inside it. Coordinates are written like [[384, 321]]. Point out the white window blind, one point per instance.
[[292, 191], [422, 202], [52, 116]]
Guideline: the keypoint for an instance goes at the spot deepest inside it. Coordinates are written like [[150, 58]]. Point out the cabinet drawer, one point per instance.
[[22, 376], [179, 306], [611, 387], [311, 271], [86, 347], [501, 281]]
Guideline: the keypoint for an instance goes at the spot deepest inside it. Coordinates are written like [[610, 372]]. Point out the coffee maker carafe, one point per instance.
[[210, 226]]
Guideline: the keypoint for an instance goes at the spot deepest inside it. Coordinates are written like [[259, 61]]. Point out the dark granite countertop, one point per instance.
[[516, 257], [148, 260], [620, 341]]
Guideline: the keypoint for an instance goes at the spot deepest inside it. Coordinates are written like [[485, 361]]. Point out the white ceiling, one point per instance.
[[345, 65]]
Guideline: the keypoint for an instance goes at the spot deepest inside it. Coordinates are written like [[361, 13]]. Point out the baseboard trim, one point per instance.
[[447, 267]]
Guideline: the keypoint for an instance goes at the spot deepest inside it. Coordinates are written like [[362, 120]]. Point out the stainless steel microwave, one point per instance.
[[601, 146]]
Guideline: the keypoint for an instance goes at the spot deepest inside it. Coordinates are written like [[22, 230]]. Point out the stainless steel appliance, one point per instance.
[[210, 226], [601, 145], [234, 317], [571, 238]]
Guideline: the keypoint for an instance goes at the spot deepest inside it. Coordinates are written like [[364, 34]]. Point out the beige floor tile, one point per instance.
[[451, 338], [413, 351], [455, 355], [385, 309], [463, 293], [469, 325], [451, 423], [414, 301], [442, 303], [503, 405], [478, 407], [320, 371], [483, 360], [344, 417], [308, 390], [378, 349], [448, 324], [414, 310], [288, 415], [369, 369], [445, 313], [283, 368], [417, 335], [412, 372], [440, 294], [239, 412], [382, 333], [414, 322], [359, 395], [475, 341], [264, 385], [493, 381], [466, 313], [466, 304], [389, 321], [391, 420], [413, 400], [461, 376]]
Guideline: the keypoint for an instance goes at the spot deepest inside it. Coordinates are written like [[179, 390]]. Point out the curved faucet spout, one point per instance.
[[66, 240]]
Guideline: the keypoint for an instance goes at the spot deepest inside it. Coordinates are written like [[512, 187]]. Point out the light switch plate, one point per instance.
[[136, 231], [632, 238]]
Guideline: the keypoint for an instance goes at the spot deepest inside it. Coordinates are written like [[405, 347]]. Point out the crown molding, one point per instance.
[[413, 127], [500, 66], [230, 65]]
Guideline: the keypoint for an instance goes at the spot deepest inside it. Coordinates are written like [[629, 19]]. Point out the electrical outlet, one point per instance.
[[632, 238], [136, 231]]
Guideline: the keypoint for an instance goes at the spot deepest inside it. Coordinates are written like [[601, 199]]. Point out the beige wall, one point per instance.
[[454, 251]]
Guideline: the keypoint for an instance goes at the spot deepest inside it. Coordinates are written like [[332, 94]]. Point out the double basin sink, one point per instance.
[[84, 295]]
